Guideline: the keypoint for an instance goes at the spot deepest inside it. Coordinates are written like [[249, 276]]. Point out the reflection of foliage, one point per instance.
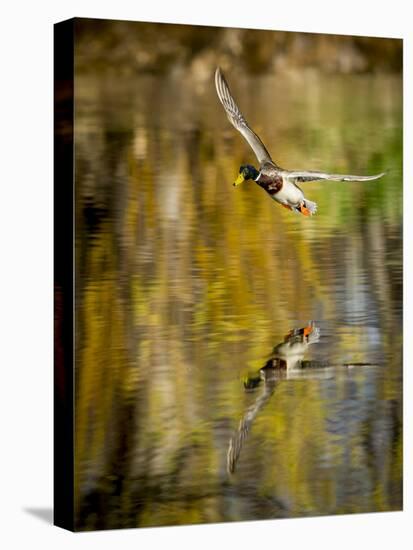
[[126, 47], [183, 282]]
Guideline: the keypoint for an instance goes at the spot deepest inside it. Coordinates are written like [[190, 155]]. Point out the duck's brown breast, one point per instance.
[[271, 184]]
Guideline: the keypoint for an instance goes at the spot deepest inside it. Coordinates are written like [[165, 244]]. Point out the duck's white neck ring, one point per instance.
[[258, 177]]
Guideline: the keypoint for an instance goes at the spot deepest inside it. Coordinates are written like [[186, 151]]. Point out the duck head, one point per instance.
[[246, 172]]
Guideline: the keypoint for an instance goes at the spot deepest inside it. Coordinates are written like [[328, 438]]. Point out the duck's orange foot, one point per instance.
[[287, 206], [308, 330], [304, 210]]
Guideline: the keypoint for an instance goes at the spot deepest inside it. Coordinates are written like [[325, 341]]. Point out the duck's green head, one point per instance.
[[251, 382], [246, 172]]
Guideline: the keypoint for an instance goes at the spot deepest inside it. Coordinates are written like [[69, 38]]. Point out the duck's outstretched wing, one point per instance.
[[237, 440], [237, 119], [302, 177]]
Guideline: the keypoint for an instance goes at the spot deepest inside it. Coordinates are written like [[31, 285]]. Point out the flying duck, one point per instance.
[[280, 184]]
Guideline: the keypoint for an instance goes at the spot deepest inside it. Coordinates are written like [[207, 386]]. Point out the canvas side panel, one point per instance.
[[63, 274]]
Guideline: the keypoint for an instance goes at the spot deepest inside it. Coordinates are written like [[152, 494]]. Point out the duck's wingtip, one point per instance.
[[219, 76]]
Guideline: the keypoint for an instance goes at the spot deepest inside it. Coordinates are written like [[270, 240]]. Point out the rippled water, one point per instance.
[[185, 285]]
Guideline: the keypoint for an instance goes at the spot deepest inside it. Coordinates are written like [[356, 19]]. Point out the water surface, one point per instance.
[[185, 285]]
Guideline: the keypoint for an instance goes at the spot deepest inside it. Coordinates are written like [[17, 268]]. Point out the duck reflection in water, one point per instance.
[[286, 362]]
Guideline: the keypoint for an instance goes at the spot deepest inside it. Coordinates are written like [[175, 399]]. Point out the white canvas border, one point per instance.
[[26, 274]]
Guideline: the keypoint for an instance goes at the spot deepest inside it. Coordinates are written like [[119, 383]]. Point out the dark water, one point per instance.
[[185, 285]]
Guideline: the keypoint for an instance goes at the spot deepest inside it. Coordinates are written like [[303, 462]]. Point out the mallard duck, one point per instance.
[[289, 353], [285, 362], [280, 184]]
